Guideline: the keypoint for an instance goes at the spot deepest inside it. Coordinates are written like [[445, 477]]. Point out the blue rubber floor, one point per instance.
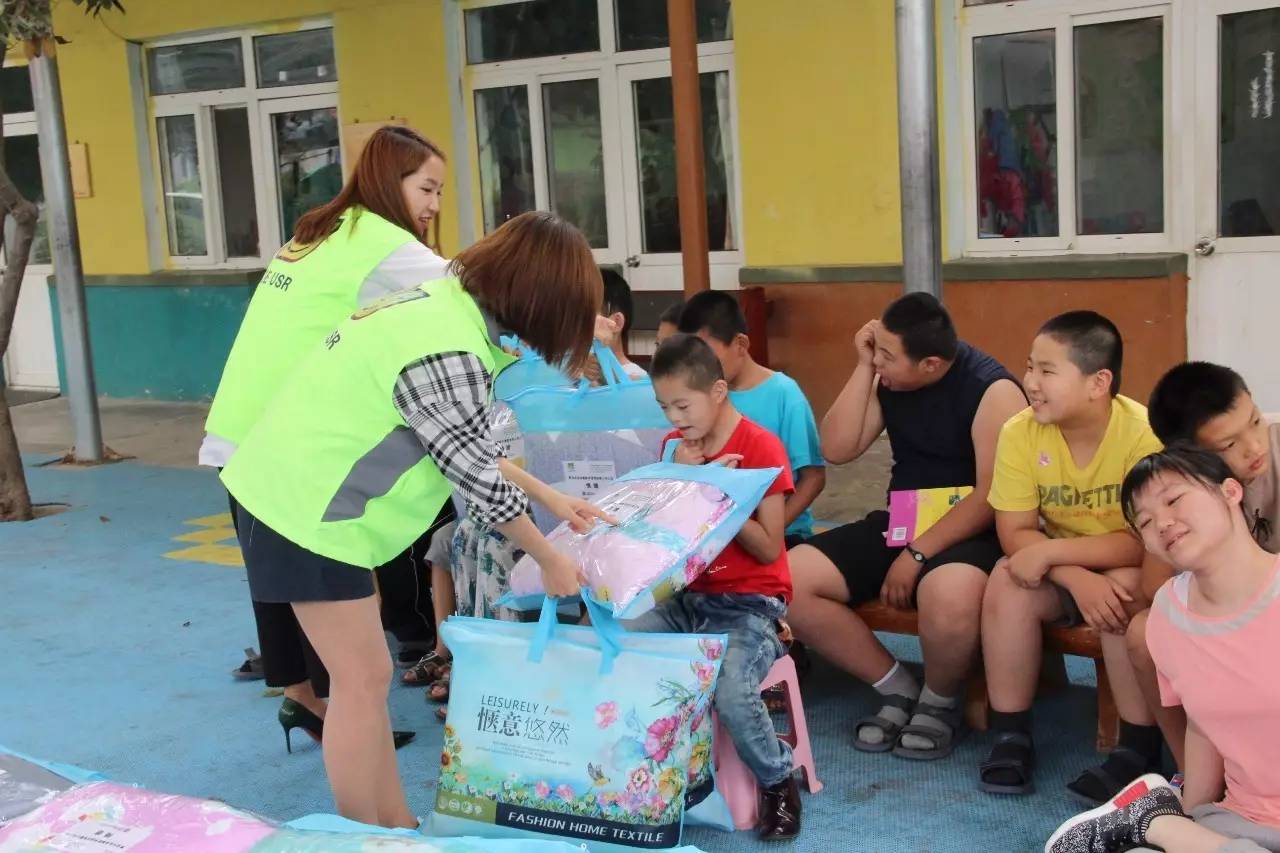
[[117, 658]]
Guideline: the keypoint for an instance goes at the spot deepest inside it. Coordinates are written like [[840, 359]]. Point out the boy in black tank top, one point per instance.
[[943, 404]]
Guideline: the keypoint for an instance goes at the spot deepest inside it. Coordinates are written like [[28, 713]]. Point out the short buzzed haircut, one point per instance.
[[924, 326], [717, 312], [1093, 343], [689, 357], [1189, 396]]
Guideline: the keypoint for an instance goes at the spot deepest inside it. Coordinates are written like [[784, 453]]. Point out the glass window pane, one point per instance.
[[196, 67], [1249, 136], [183, 195], [1120, 127], [655, 146], [642, 24], [1017, 117], [235, 182], [15, 90], [308, 162], [534, 28], [575, 156], [22, 162], [290, 59], [506, 155]]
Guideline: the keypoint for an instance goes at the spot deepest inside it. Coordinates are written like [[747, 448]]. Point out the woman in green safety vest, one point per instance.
[[370, 240], [367, 438]]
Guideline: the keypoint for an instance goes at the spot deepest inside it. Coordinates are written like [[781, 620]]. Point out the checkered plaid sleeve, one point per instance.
[[444, 398]]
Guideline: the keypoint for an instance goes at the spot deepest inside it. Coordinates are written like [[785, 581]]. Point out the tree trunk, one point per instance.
[[15, 499]]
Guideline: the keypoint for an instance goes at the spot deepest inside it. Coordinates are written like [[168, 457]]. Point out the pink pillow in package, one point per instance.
[[104, 816], [664, 526]]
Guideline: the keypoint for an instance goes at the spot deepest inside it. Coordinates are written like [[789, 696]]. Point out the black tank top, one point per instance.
[[930, 429]]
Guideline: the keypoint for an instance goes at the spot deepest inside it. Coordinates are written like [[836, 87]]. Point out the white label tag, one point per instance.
[[97, 836], [586, 478]]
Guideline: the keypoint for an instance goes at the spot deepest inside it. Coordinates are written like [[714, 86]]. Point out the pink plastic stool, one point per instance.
[[736, 783]]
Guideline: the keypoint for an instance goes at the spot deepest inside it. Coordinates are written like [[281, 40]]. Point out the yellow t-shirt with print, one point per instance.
[[1034, 470]]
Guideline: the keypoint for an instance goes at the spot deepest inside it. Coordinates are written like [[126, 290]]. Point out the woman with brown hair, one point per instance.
[[369, 436], [370, 240]]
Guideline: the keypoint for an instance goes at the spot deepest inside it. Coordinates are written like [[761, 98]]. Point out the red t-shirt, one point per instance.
[[734, 570]]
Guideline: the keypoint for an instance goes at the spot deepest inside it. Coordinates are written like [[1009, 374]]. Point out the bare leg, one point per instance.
[[1013, 637], [950, 602], [358, 752], [1130, 701], [821, 619], [1172, 721], [1183, 835], [443, 601]]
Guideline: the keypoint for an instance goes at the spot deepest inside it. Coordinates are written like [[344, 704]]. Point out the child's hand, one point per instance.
[[606, 331], [580, 514], [689, 452], [561, 576], [1101, 601], [900, 582], [1028, 567], [729, 460]]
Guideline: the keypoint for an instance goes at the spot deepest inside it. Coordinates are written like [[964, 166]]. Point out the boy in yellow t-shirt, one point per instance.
[[1071, 557]]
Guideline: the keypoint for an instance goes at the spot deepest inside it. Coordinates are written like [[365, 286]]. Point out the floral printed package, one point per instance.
[[104, 816], [578, 732], [672, 521]]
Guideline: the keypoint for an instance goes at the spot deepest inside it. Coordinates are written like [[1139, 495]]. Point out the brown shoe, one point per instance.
[[780, 811]]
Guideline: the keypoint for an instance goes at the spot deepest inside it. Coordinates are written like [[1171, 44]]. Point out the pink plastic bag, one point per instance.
[[104, 816]]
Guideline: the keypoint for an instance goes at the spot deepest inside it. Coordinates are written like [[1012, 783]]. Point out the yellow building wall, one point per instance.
[[391, 62]]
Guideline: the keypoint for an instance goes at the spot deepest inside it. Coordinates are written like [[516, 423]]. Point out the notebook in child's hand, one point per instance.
[[913, 511]]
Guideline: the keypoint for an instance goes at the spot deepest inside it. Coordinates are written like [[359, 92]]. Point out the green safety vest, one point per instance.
[[308, 288], [331, 465]]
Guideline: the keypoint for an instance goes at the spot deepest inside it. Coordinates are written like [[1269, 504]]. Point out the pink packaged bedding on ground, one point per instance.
[[104, 816]]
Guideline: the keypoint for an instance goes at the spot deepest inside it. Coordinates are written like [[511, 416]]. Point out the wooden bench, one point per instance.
[[1082, 642]]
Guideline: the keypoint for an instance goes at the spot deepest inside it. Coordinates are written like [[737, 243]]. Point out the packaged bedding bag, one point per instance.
[[27, 783], [672, 521], [580, 439], [578, 732], [104, 816]]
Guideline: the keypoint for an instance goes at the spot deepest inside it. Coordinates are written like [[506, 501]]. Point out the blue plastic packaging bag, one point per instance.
[[326, 833], [580, 439], [531, 370], [571, 731], [27, 783], [673, 522]]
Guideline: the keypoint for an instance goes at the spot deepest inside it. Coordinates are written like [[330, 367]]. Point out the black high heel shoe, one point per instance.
[[294, 715]]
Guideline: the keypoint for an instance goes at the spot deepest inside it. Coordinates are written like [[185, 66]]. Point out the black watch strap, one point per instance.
[[919, 557]]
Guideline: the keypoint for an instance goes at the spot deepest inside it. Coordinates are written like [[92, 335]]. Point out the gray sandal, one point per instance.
[[943, 742], [889, 728]]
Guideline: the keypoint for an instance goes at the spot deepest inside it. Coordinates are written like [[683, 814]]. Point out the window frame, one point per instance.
[[201, 105], [1063, 17], [608, 66]]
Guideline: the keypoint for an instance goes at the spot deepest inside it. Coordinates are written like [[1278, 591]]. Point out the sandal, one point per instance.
[[251, 669], [410, 653], [428, 669], [888, 727], [1012, 751], [438, 690], [775, 699], [1099, 784], [943, 741], [442, 713]]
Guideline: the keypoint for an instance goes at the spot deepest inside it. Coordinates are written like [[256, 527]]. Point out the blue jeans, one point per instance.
[[749, 620]]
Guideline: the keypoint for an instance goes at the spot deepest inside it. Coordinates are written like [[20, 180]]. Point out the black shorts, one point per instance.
[[281, 571], [859, 551]]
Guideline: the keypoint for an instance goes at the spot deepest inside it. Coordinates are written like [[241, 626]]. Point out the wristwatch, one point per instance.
[[915, 555]]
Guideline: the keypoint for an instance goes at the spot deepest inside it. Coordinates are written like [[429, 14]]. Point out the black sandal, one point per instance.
[[1011, 751], [943, 741], [251, 669], [889, 728], [427, 670], [1096, 785]]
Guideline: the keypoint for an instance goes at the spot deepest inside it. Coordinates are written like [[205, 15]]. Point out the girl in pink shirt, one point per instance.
[[1214, 632]]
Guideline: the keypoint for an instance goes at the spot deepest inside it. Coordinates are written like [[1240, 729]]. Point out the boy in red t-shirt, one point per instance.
[[745, 591]]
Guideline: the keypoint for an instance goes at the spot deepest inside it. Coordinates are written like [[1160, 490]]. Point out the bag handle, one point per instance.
[[607, 628], [610, 366]]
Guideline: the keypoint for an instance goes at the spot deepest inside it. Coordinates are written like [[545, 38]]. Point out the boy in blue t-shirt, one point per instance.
[[769, 398]]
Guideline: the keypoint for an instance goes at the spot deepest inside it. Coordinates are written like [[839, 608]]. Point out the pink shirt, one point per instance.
[[1225, 671]]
